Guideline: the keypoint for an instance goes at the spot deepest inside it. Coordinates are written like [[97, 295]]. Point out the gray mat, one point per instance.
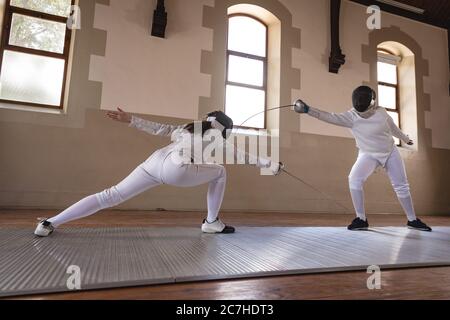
[[122, 257]]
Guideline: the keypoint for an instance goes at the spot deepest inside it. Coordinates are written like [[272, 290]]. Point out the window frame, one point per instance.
[[395, 86], [4, 45], [265, 61]]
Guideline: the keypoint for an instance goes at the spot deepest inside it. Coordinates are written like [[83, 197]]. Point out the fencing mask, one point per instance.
[[221, 122], [364, 98]]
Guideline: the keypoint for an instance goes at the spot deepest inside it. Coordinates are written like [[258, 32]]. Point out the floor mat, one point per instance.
[[97, 258]]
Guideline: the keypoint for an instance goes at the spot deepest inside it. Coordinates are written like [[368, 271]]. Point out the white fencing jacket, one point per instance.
[[182, 140], [374, 135]]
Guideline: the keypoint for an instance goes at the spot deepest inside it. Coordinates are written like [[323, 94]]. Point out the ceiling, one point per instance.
[[437, 12]]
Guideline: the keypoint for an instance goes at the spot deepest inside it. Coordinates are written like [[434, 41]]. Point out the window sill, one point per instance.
[[8, 106], [250, 132]]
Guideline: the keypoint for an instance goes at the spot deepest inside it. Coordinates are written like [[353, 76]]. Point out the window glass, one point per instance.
[[55, 7], [31, 78], [242, 103], [387, 97], [387, 73], [247, 35], [247, 71], [34, 33]]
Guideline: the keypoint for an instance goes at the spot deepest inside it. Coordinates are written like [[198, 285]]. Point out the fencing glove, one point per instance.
[[301, 107]]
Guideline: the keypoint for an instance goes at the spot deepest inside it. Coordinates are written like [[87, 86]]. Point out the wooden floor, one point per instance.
[[426, 283]]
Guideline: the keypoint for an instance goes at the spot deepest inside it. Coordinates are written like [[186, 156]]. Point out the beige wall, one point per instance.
[[137, 68], [52, 160], [315, 53]]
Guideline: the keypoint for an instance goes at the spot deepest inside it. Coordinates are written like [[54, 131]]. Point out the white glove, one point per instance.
[[263, 163], [277, 168]]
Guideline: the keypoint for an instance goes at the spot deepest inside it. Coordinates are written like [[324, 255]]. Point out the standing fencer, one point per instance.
[[168, 166], [373, 130]]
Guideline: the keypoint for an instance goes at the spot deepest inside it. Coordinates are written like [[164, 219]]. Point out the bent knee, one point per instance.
[[109, 198], [402, 190], [221, 173], [356, 183]]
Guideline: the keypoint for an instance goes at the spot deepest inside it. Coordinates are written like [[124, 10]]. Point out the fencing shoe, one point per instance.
[[44, 229], [358, 224], [216, 227], [418, 225]]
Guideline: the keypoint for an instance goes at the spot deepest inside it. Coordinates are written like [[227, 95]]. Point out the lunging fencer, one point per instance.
[[373, 130], [168, 166]]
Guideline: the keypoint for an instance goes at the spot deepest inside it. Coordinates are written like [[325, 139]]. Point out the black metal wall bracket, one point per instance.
[[159, 20], [337, 58]]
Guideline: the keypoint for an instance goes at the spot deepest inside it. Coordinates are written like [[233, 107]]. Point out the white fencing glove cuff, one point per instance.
[[263, 163], [277, 168]]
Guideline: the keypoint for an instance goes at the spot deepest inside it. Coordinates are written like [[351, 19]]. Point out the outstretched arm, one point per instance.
[[339, 119], [396, 132], [153, 128], [241, 156]]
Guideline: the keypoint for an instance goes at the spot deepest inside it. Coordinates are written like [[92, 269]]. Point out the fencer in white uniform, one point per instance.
[[179, 164], [373, 130]]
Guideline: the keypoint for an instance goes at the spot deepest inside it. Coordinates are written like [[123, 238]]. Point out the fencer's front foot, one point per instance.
[[216, 227], [419, 225], [358, 225], [44, 229]]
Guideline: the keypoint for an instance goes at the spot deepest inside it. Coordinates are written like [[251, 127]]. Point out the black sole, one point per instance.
[[228, 230], [419, 229]]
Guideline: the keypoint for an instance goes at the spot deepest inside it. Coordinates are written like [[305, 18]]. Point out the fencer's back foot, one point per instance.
[[44, 229], [420, 229], [418, 225], [358, 225]]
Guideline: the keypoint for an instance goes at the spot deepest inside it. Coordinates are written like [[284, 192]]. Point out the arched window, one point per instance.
[[246, 79], [388, 85]]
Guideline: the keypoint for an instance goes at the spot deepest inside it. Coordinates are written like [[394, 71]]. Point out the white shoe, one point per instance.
[[216, 227], [44, 229]]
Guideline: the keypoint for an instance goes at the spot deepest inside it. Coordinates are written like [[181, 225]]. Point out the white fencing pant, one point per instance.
[[395, 168], [157, 170]]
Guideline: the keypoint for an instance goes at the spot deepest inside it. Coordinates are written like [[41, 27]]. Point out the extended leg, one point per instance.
[[137, 182]]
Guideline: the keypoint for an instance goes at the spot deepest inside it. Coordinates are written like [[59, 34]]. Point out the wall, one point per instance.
[[52, 160], [146, 65]]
